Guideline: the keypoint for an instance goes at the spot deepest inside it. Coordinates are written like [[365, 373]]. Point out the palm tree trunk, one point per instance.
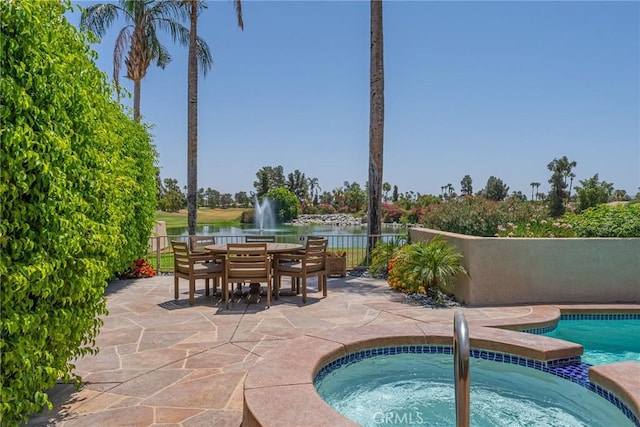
[[136, 100], [376, 127], [192, 124]]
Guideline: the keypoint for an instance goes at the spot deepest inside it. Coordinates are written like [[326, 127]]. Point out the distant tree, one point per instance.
[[355, 196], [621, 196], [200, 197], [226, 200], [326, 198], [173, 199], [533, 185], [297, 183], [496, 189], [386, 187], [571, 175], [593, 192], [212, 198], [269, 178], [561, 170], [286, 204], [466, 188], [450, 192], [314, 189], [242, 199], [394, 197], [518, 195]]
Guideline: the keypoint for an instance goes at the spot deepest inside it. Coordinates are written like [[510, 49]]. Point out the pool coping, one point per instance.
[[279, 389]]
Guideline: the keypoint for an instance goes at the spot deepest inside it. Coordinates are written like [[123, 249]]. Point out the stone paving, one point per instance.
[[163, 362]]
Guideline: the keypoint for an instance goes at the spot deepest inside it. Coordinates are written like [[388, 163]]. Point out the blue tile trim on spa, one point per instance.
[[570, 368]]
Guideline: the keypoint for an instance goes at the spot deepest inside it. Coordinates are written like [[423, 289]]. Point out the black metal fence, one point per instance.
[[160, 254]]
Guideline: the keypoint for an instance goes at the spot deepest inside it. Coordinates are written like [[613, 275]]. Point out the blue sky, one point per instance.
[[479, 88]]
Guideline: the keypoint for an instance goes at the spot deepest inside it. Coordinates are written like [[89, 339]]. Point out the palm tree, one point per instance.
[[376, 127], [536, 185], [198, 52], [139, 36], [314, 189]]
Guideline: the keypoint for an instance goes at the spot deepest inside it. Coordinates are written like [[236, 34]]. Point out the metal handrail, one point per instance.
[[461, 349]]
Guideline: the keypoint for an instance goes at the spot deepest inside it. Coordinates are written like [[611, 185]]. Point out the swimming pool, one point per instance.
[[417, 389], [605, 338]]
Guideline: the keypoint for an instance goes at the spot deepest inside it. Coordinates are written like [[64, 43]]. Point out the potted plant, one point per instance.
[[337, 263]]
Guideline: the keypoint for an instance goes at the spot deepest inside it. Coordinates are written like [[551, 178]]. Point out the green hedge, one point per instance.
[[622, 220], [77, 194]]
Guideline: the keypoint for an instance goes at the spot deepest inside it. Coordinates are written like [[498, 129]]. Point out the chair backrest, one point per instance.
[[197, 243], [316, 252], [248, 262], [180, 255], [259, 238]]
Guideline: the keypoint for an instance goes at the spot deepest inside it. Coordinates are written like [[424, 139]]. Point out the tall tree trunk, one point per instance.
[[192, 125], [136, 100], [376, 128]]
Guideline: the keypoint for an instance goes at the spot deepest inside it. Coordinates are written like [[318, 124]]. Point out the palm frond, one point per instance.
[[205, 59], [238, 4], [122, 42], [99, 17]]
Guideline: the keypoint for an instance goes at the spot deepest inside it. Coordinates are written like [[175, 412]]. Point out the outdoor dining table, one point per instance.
[[273, 248]]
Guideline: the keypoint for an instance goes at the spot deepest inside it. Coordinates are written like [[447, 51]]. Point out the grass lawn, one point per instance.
[[220, 217]]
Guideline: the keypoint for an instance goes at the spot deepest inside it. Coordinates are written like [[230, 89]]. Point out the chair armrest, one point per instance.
[[291, 256], [197, 257]]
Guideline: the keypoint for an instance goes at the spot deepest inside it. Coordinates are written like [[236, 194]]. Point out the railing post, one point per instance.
[[158, 253], [461, 368]]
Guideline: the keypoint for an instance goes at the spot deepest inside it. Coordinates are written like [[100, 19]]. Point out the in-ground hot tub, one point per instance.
[[279, 390]]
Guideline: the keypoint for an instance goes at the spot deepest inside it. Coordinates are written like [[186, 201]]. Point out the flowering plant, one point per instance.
[[537, 228], [138, 269]]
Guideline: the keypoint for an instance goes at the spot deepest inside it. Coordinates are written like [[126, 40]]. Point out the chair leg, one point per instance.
[[324, 285], [175, 286], [206, 287], [192, 291], [225, 293], [268, 293], [304, 289]]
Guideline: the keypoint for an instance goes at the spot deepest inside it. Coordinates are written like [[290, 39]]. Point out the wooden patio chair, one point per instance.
[[198, 243], [192, 267], [247, 263], [311, 263]]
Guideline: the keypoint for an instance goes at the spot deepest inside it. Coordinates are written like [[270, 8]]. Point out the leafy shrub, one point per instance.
[[424, 266], [326, 209], [416, 215], [392, 213], [477, 216], [248, 216], [607, 221], [286, 205], [384, 252], [78, 193]]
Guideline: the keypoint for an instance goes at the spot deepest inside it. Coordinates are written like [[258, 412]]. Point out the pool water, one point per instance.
[[604, 341], [417, 389]]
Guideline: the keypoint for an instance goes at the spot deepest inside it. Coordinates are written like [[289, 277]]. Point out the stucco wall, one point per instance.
[[530, 271]]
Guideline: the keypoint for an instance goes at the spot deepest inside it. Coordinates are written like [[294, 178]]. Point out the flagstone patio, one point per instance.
[[164, 362]]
